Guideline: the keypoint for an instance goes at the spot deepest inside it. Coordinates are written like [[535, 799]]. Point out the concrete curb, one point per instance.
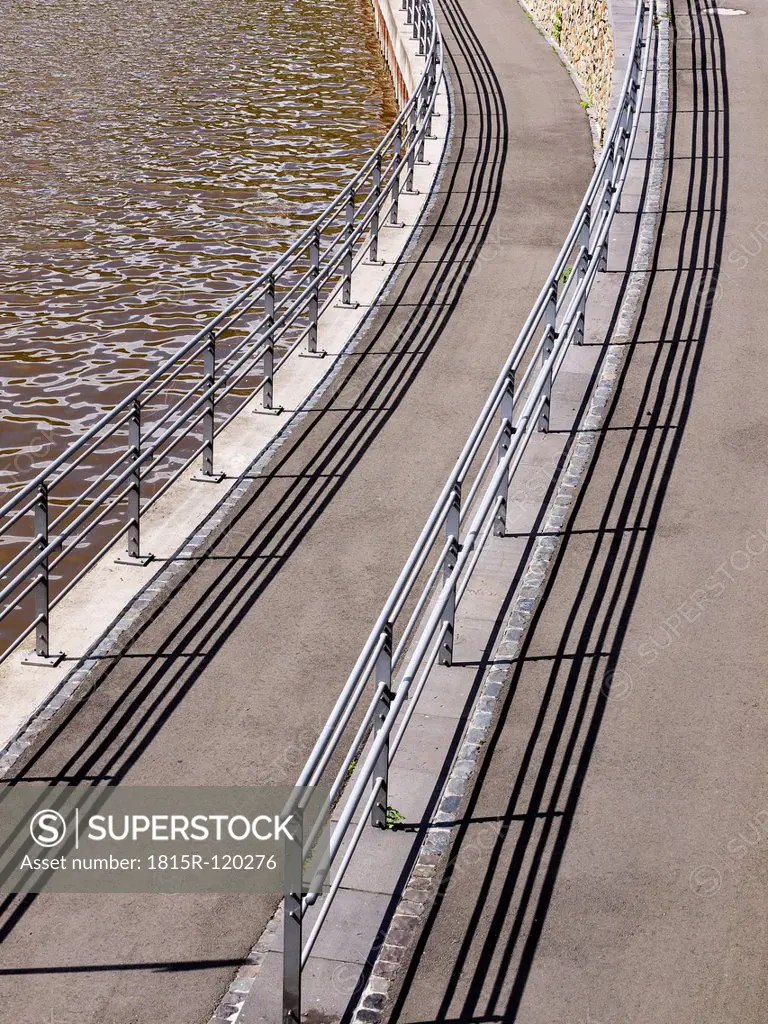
[[420, 890]]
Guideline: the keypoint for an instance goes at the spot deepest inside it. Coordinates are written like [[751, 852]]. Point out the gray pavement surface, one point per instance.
[[612, 859], [232, 679]]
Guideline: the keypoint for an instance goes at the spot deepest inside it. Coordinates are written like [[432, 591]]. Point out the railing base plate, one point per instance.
[[347, 305], [44, 661], [321, 354], [208, 478], [276, 411], [141, 560]]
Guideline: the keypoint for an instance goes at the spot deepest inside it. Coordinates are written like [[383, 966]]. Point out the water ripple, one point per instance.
[[154, 156]]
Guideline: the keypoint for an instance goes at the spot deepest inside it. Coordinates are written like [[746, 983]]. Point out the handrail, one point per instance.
[[456, 532], [99, 485]]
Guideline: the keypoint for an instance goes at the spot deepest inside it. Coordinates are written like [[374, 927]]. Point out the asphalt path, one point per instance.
[[230, 681]]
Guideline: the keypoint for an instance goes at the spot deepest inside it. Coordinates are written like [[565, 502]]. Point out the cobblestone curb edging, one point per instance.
[[430, 865]]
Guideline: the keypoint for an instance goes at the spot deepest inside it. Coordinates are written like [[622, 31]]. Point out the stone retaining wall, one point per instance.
[[581, 30]]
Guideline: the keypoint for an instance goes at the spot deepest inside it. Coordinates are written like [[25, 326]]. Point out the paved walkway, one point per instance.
[[612, 861], [230, 682]]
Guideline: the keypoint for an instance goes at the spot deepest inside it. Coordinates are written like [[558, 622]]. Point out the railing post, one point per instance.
[[268, 372], [411, 144], [346, 288], [43, 654], [292, 921], [422, 139], [380, 777], [314, 298], [206, 474], [268, 362], [209, 379], [630, 111], [134, 555], [431, 84], [373, 250], [550, 327], [394, 212], [625, 126], [505, 411], [42, 603], [625, 121], [134, 495], [581, 272], [452, 528], [606, 205]]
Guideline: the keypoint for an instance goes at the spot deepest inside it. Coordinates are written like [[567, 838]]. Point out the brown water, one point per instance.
[[153, 156]]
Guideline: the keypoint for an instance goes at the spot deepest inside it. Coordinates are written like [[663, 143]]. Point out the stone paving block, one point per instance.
[[327, 988], [446, 692], [353, 926], [379, 864], [431, 739], [581, 359], [485, 599], [412, 791], [471, 638], [349, 931]]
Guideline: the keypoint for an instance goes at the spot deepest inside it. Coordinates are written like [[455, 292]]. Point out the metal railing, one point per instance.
[[95, 493], [415, 629]]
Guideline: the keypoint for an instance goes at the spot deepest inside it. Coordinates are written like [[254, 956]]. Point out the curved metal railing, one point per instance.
[[416, 626], [61, 523]]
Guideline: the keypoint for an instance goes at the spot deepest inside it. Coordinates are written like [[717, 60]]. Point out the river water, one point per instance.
[[154, 154]]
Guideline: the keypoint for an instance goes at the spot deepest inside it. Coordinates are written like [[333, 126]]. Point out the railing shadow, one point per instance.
[[490, 967], [116, 729]]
